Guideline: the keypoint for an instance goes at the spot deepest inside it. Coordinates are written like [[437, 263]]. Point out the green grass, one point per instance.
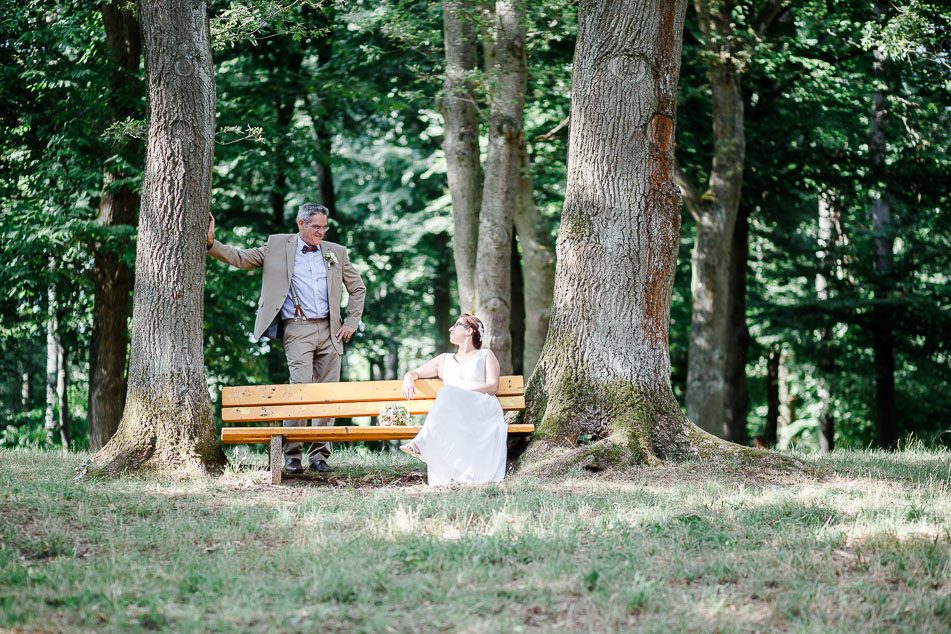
[[861, 541]]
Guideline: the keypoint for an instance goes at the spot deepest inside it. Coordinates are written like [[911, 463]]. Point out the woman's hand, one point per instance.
[[409, 386]]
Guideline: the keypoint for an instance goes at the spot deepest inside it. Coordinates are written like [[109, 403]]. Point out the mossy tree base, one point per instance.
[[176, 437]]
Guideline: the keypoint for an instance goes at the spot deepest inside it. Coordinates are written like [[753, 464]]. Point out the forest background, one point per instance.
[[838, 312]]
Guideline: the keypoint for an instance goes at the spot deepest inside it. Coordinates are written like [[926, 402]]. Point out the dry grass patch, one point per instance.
[[858, 541]]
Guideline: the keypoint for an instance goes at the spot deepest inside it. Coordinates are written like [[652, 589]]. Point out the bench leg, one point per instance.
[[277, 458]]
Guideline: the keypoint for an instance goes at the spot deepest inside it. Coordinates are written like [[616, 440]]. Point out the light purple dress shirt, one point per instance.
[[310, 280]]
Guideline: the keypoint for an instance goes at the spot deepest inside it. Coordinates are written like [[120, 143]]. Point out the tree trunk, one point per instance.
[[770, 434], [826, 363], [518, 316], [538, 265], [442, 298], [716, 215], [502, 172], [24, 375], [601, 394], [886, 423], [461, 142], [112, 278], [62, 398], [392, 362], [52, 326], [738, 336], [167, 423]]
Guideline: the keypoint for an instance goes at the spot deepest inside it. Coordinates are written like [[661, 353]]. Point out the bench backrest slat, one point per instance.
[[339, 410], [346, 392]]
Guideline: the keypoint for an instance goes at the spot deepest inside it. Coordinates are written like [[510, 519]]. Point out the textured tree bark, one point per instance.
[[461, 142], [886, 423], [502, 174], [600, 395], [738, 336], [538, 265], [770, 434], [112, 278], [167, 422], [716, 215]]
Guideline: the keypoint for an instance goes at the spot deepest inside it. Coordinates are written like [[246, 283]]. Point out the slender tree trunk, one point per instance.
[[738, 336], [706, 366], [518, 317], [770, 435], [826, 363], [392, 361], [601, 394], [886, 422], [62, 378], [458, 105], [52, 327], [442, 298], [167, 423], [538, 265], [112, 277], [502, 173], [24, 384], [287, 91]]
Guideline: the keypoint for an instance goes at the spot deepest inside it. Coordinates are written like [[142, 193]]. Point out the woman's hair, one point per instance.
[[478, 330]]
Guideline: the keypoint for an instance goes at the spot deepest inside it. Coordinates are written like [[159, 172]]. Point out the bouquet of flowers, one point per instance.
[[394, 415]]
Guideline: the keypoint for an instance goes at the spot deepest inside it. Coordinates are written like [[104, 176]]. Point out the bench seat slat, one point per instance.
[[303, 393], [340, 410], [243, 435]]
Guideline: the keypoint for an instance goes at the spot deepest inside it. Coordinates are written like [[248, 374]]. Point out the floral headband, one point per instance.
[[481, 330]]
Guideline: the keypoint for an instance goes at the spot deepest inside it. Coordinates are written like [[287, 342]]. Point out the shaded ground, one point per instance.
[[859, 541]]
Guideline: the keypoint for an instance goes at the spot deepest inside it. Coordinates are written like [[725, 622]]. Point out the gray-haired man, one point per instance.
[[300, 304]]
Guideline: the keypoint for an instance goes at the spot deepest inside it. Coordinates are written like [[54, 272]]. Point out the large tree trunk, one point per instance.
[[112, 279], [886, 423], [167, 423], [738, 336], [461, 142], [502, 173], [604, 375], [538, 265], [716, 215]]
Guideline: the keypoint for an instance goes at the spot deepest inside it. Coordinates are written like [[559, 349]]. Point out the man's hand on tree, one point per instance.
[[211, 231]]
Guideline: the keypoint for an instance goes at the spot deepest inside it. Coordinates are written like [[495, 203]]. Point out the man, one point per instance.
[[300, 305]]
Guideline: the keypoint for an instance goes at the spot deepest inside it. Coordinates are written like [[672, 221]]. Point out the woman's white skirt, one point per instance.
[[463, 438]]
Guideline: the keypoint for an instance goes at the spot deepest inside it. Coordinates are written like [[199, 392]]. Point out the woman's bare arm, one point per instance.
[[425, 371]]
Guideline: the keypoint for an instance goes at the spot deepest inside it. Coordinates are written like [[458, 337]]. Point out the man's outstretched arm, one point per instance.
[[238, 258]]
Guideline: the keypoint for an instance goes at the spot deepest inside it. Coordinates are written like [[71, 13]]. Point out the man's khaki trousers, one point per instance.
[[311, 358]]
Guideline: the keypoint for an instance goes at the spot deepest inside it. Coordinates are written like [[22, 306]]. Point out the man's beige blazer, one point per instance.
[[276, 257]]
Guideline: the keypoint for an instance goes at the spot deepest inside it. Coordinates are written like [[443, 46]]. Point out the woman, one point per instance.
[[463, 438]]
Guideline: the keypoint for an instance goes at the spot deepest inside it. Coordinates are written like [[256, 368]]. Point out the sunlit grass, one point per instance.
[[859, 541]]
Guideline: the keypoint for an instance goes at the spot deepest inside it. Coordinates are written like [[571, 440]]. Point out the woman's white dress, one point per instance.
[[464, 436]]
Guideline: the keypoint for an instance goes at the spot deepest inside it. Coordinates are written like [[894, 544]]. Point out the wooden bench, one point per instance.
[[266, 403]]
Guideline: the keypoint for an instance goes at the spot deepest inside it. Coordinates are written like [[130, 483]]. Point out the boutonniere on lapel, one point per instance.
[[330, 258]]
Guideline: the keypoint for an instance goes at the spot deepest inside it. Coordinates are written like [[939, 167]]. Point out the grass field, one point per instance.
[[856, 542]]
